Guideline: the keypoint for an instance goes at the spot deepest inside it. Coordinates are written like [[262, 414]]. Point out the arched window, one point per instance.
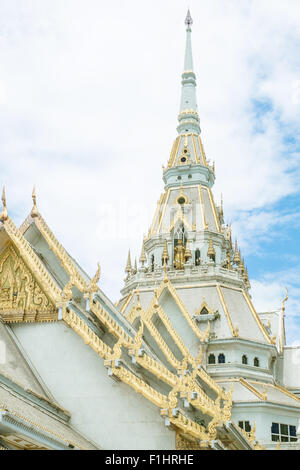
[[152, 263], [211, 359], [197, 257], [256, 362], [244, 359], [180, 235], [221, 358]]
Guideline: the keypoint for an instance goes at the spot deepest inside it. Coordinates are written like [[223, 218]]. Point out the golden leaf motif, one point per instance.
[[20, 294]]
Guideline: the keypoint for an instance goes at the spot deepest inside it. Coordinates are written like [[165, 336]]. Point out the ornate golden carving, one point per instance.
[[21, 297], [179, 258]]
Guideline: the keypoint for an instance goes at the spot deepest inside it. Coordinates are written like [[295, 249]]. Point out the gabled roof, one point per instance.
[[28, 289]]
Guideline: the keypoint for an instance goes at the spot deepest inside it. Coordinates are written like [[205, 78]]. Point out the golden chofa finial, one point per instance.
[[34, 212], [4, 214], [95, 279], [143, 258]]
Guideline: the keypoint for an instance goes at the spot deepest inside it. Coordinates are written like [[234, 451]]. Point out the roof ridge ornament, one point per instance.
[[188, 117], [188, 20], [4, 214], [34, 212]]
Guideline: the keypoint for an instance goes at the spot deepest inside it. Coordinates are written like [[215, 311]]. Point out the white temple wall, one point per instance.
[[109, 413]]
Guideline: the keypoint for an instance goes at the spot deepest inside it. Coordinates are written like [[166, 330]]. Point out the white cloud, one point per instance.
[[89, 95]]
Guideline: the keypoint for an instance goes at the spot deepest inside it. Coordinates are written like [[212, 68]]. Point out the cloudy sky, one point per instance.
[[89, 96]]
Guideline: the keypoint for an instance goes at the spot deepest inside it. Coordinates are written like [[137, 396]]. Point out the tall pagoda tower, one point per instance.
[[191, 289]]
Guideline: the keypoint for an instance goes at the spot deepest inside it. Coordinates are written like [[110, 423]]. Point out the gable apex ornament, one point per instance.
[[4, 214]]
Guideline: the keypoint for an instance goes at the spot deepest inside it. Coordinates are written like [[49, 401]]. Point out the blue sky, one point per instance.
[[89, 96]]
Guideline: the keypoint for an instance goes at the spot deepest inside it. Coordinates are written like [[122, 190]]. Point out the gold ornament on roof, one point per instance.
[[93, 287], [237, 256], [188, 253], [211, 251], [179, 258], [21, 297], [204, 309], [165, 254], [128, 268], [4, 214]]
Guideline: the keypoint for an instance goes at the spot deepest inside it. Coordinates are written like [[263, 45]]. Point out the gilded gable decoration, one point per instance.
[[21, 298]]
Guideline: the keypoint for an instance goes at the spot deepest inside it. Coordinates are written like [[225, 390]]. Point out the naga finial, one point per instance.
[[4, 214], [34, 212], [285, 299]]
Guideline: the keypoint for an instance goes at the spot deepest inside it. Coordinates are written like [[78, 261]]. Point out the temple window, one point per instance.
[[221, 358], [244, 359], [152, 263], [211, 359], [197, 257], [283, 433], [256, 362], [245, 425]]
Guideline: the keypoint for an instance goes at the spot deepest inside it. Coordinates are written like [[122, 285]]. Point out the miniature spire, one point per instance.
[[95, 279], [34, 212], [134, 271], [188, 115], [188, 253], [211, 251], [4, 214], [128, 268], [165, 254], [143, 258], [281, 335], [138, 305]]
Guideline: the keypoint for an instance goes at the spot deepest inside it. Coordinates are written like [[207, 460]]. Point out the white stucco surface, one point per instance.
[[109, 413]]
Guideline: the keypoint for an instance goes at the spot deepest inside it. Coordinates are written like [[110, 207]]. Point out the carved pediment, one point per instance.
[[21, 298]]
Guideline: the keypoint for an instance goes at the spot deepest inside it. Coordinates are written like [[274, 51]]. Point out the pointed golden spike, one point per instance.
[[188, 253], [134, 271], [128, 268], [34, 211], [95, 279], [165, 254], [211, 251], [4, 214], [236, 258]]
